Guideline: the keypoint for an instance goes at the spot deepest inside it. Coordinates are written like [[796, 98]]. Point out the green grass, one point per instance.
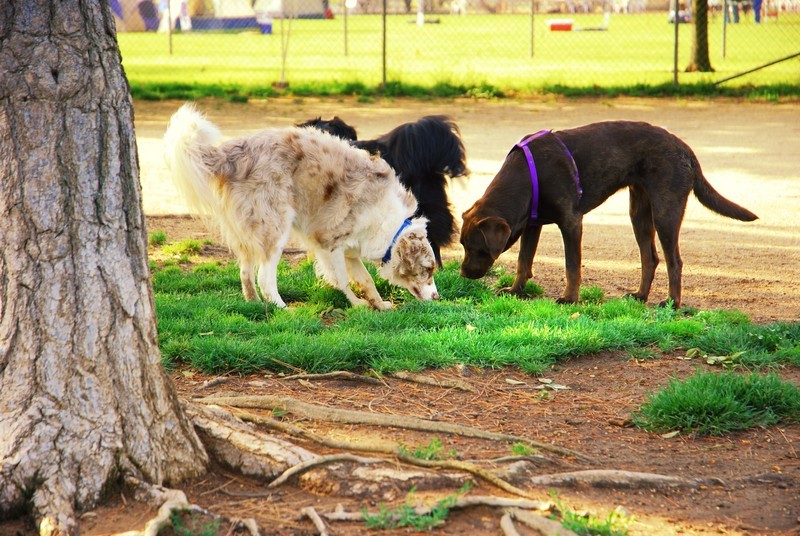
[[717, 403], [615, 523], [204, 323], [478, 56], [406, 515]]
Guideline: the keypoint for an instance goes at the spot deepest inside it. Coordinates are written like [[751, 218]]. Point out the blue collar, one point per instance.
[[388, 254]]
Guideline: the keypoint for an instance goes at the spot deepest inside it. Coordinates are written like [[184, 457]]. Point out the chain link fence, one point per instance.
[[507, 44]]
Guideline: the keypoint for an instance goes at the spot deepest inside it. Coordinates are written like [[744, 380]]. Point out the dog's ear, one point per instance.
[[496, 233]]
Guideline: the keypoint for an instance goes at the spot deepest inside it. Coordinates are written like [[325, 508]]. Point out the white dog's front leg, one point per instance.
[[268, 270], [247, 277], [268, 280], [334, 269], [359, 275]]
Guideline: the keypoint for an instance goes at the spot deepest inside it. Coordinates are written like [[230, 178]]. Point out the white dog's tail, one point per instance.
[[190, 152]]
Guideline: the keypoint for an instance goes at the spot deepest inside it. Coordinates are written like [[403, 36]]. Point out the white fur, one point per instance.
[[345, 204]]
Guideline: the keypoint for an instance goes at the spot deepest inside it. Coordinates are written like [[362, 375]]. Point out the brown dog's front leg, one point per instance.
[[527, 250], [572, 234]]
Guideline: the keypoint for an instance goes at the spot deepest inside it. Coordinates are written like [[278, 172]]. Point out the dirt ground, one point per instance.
[[750, 481]]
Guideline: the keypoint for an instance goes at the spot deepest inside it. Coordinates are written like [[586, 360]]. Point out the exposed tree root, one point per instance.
[[427, 380], [507, 525], [339, 514], [320, 460], [545, 526], [311, 514], [241, 447], [170, 500], [611, 478], [311, 411], [337, 375], [393, 450], [471, 468]]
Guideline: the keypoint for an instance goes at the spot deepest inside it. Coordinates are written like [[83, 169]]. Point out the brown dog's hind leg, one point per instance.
[[572, 234], [668, 229], [641, 213], [527, 250]]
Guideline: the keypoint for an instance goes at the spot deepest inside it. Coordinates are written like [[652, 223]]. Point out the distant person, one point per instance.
[[757, 10], [733, 9]]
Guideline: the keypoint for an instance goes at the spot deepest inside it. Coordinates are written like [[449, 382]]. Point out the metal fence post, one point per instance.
[[675, 60], [384, 45]]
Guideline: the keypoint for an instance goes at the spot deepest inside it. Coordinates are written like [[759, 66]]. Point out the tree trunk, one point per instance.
[[83, 397], [700, 60]]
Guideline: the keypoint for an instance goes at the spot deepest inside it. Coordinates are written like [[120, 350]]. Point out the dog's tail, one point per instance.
[[430, 147], [713, 200], [193, 159]]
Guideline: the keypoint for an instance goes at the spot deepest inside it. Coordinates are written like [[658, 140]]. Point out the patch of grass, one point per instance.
[[157, 238], [521, 449], [431, 451], [615, 523], [406, 515], [717, 403], [184, 247], [204, 322], [189, 523]]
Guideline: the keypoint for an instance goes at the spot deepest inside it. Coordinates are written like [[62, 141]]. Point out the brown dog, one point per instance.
[[659, 169]]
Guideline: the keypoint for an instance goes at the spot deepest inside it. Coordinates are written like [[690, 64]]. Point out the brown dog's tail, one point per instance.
[[713, 200]]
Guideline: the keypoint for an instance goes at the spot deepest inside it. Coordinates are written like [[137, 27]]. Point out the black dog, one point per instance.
[[423, 154], [578, 169]]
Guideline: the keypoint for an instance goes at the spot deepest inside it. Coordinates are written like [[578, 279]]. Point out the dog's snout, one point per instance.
[[435, 295]]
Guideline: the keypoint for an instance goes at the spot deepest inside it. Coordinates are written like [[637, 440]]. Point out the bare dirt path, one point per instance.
[[749, 152]]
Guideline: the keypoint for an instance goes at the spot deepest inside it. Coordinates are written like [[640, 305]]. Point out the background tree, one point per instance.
[[83, 397], [700, 60]]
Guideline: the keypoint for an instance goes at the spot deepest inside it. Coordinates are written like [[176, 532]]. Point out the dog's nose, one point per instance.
[[435, 296]]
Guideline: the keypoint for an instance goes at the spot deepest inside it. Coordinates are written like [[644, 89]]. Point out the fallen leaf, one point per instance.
[[545, 380], [512, 381], [670, 435], [694, 352]]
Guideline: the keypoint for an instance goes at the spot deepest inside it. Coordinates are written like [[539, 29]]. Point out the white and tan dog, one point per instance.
[[345, 204]]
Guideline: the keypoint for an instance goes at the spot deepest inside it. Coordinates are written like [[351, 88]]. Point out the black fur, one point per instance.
[[423, 154]]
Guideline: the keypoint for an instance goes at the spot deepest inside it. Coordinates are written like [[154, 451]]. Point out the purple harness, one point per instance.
[[535, 177]]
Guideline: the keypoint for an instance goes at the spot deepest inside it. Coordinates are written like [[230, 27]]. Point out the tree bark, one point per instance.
[[83, 397], [700, 60]]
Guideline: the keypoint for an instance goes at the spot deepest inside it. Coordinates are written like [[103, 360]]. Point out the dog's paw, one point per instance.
[[564, 300], [358, 302], [510, 290], [668, 304], [635, 297], [382, 305]]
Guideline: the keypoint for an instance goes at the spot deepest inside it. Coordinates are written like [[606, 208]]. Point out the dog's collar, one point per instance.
[[388, 255], [523, 144]]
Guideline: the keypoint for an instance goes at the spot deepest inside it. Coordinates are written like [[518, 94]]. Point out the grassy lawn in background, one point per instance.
[[472, 51]]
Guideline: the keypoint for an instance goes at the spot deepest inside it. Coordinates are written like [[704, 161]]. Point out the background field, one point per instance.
[[475, 51]]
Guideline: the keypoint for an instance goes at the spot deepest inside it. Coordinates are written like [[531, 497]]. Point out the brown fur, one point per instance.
[[658, 168]]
